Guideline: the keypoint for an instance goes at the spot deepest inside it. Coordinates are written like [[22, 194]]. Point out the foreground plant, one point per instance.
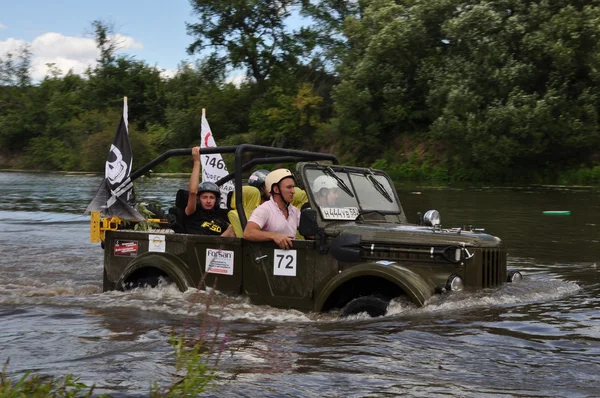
[[196, 355], [34, 385], [196, 358]]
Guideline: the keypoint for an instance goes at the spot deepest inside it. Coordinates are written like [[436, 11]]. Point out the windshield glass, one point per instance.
[[371, 198], [344, 195]]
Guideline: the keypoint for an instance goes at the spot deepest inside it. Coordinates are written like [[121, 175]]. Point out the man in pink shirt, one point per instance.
[[275, 219]]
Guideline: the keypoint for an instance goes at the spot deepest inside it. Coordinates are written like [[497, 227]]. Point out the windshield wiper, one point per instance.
[[379, 186], [365, 212], [329, 171]]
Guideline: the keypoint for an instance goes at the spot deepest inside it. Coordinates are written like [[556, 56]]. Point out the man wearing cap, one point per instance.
[[275, 219]]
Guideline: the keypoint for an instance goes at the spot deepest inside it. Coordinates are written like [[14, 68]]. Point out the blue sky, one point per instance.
[[60, 31]]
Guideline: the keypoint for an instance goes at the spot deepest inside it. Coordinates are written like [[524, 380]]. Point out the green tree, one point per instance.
[[116, 76], [327, 26], [17, 123], [284, 120], [381, 96], [204, 86], [495, 87], [248, 34], [519, 89]]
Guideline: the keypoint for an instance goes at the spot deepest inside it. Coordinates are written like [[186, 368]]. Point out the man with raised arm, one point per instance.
[[202, 213], [275, 219]]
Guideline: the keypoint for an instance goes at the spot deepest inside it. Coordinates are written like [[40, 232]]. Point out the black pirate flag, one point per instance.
[[116, 196]]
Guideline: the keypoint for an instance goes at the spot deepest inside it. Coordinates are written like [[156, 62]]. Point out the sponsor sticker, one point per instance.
[[156, 243], [340, 213], [126, 248], [219, 261]]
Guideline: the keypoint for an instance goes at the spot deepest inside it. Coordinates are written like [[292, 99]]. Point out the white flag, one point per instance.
[[213, 166]]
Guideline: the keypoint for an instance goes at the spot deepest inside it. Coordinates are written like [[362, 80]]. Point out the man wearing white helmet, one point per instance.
[[275, 219], [326, 191]]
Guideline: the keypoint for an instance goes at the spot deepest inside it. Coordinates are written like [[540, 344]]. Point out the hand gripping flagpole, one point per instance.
[[213, 166]]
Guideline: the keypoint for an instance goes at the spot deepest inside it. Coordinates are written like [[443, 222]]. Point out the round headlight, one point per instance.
[[431, 218], [455, 283], [514, 276]]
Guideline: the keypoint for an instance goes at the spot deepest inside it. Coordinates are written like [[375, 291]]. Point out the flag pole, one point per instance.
[[203, 117], [126, 114]]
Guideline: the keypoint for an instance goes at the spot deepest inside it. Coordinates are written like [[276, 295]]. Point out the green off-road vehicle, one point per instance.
[[356, 256]]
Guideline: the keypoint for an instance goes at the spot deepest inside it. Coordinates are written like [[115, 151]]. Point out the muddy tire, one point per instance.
[[374, 306]]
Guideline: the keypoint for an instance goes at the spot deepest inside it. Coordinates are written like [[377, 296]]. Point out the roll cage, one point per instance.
[[259, 155]]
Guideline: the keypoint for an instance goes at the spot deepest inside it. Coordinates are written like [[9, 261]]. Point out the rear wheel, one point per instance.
[[146, 277], [374, 306]]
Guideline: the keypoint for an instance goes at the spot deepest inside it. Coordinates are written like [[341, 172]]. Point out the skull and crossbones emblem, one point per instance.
[[115, 170]]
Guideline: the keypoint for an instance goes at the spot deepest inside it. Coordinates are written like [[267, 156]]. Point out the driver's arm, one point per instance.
[[254, 233]]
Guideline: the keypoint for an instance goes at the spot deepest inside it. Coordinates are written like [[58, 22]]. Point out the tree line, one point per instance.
[[440, 90]]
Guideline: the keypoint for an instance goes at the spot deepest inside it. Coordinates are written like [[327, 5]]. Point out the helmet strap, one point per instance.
[[287, 204]]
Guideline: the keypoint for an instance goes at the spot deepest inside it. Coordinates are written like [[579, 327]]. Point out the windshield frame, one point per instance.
[[360, 199]]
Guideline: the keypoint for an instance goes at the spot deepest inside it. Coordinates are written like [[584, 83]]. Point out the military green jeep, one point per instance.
[[356, 256]]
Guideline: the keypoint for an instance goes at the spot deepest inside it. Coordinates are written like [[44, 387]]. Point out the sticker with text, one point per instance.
[[284, 262], [219, 261], [156, 243], [127, 248]]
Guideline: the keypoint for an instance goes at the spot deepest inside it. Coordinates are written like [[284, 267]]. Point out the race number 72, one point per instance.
[[284, 262]]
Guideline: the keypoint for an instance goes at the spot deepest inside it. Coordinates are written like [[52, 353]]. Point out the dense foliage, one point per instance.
[[443, 90]]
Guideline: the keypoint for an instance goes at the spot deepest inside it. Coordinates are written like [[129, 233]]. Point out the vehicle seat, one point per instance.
[[176, 217], [300, 198], [250, 201]]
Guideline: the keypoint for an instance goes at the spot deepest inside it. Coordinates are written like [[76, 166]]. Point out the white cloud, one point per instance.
[[2, 26], [237, 80], [10, 45], [125, 42], [65, 52], [168, 73], [55, 45]]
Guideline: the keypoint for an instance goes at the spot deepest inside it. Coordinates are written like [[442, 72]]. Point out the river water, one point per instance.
[[539, 338]]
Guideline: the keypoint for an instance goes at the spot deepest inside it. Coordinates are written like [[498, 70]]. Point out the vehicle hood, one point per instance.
[[389, 233]]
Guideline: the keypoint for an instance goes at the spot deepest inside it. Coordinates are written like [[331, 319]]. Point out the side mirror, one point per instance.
[[308, 222]]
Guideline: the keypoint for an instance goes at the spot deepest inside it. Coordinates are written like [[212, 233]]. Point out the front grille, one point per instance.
[[413, 254], [485, 269], [493, 266]]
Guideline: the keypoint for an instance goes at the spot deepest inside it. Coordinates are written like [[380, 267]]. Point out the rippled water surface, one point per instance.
[[539, 338]]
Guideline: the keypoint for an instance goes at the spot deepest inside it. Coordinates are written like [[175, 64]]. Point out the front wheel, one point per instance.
[[374, 306]]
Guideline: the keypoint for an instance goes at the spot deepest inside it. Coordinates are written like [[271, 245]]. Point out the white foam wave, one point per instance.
[[528, 291], [168, 299]]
